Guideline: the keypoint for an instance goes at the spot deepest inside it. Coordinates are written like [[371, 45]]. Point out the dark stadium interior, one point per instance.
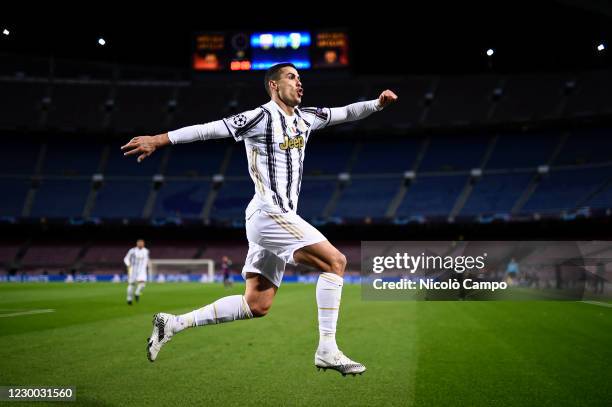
[[468, 259], [511, 146]]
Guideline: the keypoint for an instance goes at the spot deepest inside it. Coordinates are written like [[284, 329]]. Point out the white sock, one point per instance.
[[139, 289], [226, 309], [130, 290], [329, 292]]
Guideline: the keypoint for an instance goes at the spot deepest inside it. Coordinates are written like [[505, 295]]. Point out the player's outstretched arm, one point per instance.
[[144, 146], [361, 110]]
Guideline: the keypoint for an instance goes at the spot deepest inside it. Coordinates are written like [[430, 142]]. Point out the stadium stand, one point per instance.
[[62, 160]]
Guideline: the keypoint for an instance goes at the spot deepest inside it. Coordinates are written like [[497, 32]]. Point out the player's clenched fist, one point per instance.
[[386, 98]]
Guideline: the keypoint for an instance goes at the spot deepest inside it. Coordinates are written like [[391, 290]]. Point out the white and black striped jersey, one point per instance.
[[276, 146], [137, 259]]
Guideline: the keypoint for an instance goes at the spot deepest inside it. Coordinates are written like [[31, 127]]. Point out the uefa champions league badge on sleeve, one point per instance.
[[239, 120], [478, 270]]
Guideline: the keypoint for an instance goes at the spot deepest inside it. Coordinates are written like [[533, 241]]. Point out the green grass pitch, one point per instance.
[[531, 353]]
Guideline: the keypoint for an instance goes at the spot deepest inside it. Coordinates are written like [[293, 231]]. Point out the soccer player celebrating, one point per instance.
[[136, 260], [275, 136]]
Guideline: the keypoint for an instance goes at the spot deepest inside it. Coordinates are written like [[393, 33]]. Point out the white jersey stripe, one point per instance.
[[289, 166]]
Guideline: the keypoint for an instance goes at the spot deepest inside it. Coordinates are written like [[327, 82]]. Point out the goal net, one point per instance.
[[202, 270]]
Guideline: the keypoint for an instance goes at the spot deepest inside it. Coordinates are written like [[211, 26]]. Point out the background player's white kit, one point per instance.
[[275, 137], [137, 262]]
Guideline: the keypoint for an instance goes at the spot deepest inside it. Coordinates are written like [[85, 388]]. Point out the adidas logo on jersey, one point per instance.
[[297, 142]]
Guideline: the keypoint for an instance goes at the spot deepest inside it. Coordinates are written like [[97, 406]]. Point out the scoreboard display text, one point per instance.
[[248, 51]]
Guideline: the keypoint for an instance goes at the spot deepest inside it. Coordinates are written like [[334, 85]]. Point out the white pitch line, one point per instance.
[[601, 304], [30, 312]]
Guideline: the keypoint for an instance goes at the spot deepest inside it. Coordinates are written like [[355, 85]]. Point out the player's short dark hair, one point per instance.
[[273, 74]]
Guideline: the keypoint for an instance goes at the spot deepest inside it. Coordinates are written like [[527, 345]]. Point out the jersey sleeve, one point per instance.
[[317, 117], [245, 124]]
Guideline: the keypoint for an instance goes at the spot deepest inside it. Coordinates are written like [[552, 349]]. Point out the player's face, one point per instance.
[[140, 244], [289, 86]]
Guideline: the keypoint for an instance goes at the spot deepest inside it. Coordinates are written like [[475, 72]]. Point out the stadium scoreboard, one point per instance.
[[249, 51]]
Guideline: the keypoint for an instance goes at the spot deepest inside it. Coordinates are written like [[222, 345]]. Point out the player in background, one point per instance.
[[226, 269], [137, 262], [275, 136], [512, 272]]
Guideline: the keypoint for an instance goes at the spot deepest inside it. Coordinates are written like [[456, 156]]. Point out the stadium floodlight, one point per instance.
[[6, 32], [601, 47], [102, 41], [490, 52]]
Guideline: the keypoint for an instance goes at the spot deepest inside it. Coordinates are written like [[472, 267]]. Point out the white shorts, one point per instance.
[[138, 276], [273, 238]]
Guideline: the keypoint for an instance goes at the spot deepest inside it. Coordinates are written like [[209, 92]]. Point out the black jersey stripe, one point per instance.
[[298, 113], [313, 111], [228, 129]]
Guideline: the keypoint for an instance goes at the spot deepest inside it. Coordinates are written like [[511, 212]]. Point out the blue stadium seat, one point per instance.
[[432, 195], [199, 158], [121, 199], [72, 157], [564, 189], [586, 146], [453, 153], [394, 156], [324, 157], [238, 165], [232, 200], [523, 150], [603, 198], [367, 197], [496, 193], [13, 196], [18, 157], [61, 198], [315, 193]]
